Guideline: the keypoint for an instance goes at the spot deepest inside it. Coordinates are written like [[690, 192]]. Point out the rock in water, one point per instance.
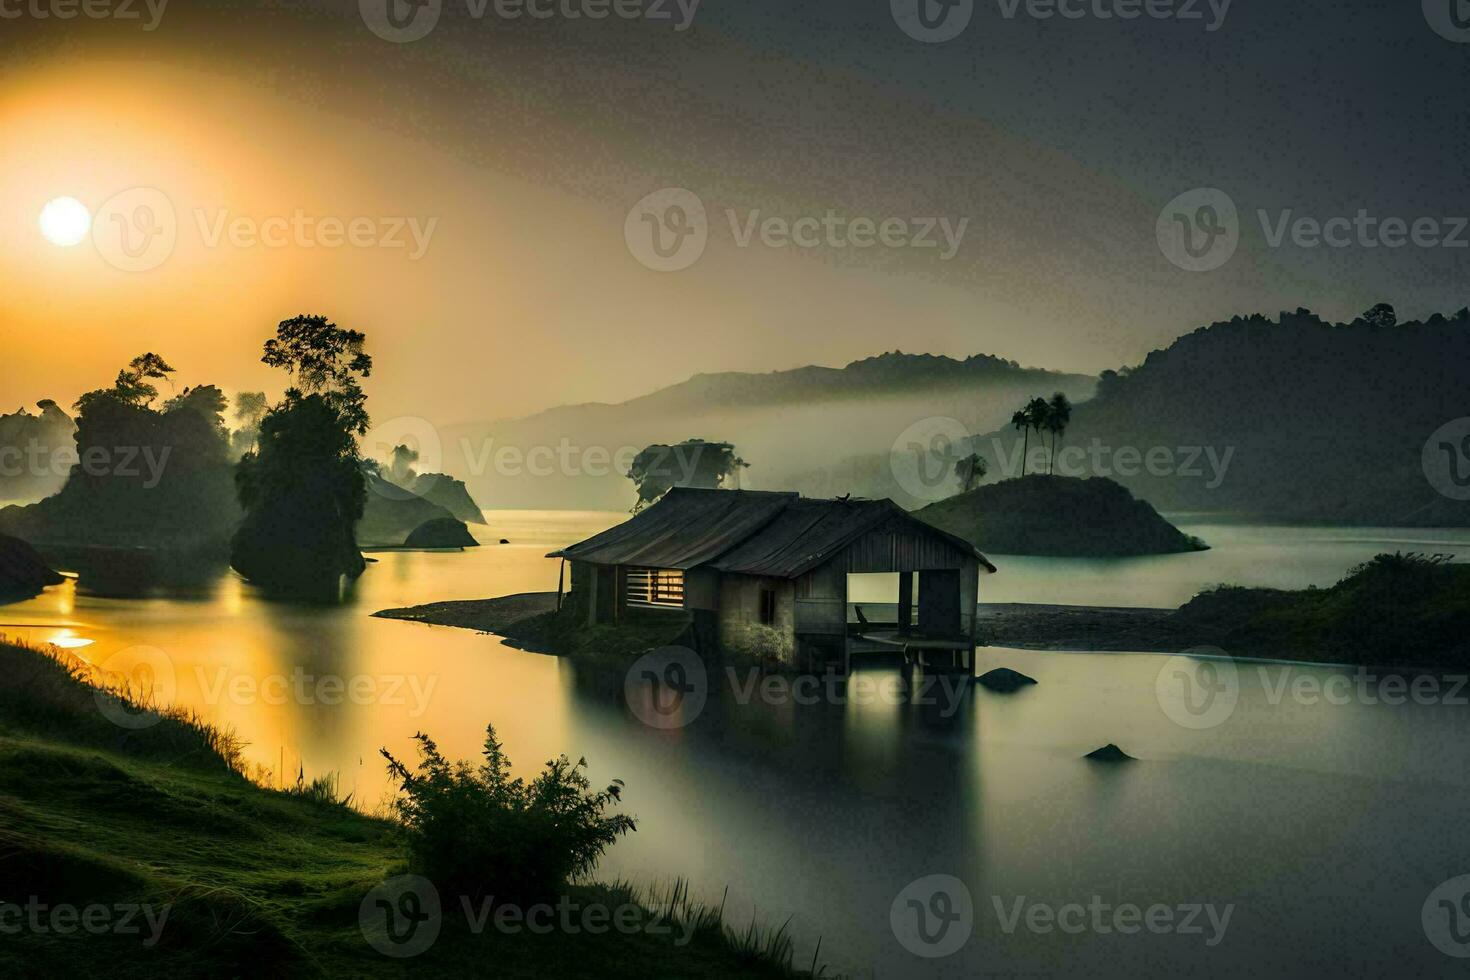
[[441, 532], [1109, 753], [1004, 680], [22, 572]]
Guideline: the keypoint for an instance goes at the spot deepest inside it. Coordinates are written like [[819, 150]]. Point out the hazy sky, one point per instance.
[[515, 148]]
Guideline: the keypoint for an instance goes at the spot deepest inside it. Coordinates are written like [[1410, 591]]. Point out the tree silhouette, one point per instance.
[[325, 360], [1058, 417], [1036, 412], [691, 463], [1023, 426], [131, 387], [971, 470], [303, 488]]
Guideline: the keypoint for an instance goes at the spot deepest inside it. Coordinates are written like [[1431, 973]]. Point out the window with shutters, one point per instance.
[[661, 588]]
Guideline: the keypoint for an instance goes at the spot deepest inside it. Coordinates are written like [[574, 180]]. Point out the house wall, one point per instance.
[[701, 589], [820, 598], [899, 547], [740, 625]]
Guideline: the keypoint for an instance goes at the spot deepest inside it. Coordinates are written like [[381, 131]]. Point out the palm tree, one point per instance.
[[1037, 410], [1019, 420], [1058, 416]]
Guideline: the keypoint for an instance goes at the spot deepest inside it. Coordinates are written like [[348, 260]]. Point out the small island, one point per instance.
[[1058, 516]]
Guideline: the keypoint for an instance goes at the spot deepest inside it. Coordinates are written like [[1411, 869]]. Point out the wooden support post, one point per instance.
[[905, 601], [561, 573]]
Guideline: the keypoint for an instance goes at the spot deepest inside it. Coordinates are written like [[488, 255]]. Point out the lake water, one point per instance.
[[1322, 823]]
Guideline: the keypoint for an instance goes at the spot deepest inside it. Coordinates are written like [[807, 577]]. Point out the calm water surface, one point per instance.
[[1324, 825]]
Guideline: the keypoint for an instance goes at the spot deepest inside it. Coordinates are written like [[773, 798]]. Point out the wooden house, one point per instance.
[[767, 573]]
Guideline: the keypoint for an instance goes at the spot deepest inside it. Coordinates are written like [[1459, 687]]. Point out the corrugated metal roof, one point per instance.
[[745, 531], [685, 528]]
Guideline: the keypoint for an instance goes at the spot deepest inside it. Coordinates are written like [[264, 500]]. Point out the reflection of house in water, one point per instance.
[[764, 572]]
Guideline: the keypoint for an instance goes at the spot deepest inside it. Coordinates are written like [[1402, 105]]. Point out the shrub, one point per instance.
[[477, 831]]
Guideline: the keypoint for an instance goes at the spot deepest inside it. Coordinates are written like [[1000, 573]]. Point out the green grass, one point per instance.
[[1399, 609], [257, 881]]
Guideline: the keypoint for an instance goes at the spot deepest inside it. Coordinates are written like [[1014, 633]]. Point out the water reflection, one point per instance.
[[825, 811]]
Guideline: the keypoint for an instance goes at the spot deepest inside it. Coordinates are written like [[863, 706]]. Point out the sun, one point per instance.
[[65, 221]]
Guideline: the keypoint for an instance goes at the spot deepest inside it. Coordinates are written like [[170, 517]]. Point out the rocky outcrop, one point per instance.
[[390, 513], [441, 532], [22, 572], [449, 493]]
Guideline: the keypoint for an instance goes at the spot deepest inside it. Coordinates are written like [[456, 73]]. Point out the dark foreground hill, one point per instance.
[[1058, 516], [146, 819]]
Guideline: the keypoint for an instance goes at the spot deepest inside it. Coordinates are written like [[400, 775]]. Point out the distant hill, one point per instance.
[[1058, 516], [782, 422], [1294, 419]]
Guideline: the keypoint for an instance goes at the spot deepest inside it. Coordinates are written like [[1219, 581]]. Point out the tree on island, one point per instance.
[[1044, 416], [692, 463], [971, 470], [302, 487], [131, 386], [1058, 417], [1023, 426], [142, 475]]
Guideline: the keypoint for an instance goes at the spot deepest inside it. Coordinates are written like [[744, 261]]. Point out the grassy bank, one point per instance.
[[1395, 610], [246, 880]]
